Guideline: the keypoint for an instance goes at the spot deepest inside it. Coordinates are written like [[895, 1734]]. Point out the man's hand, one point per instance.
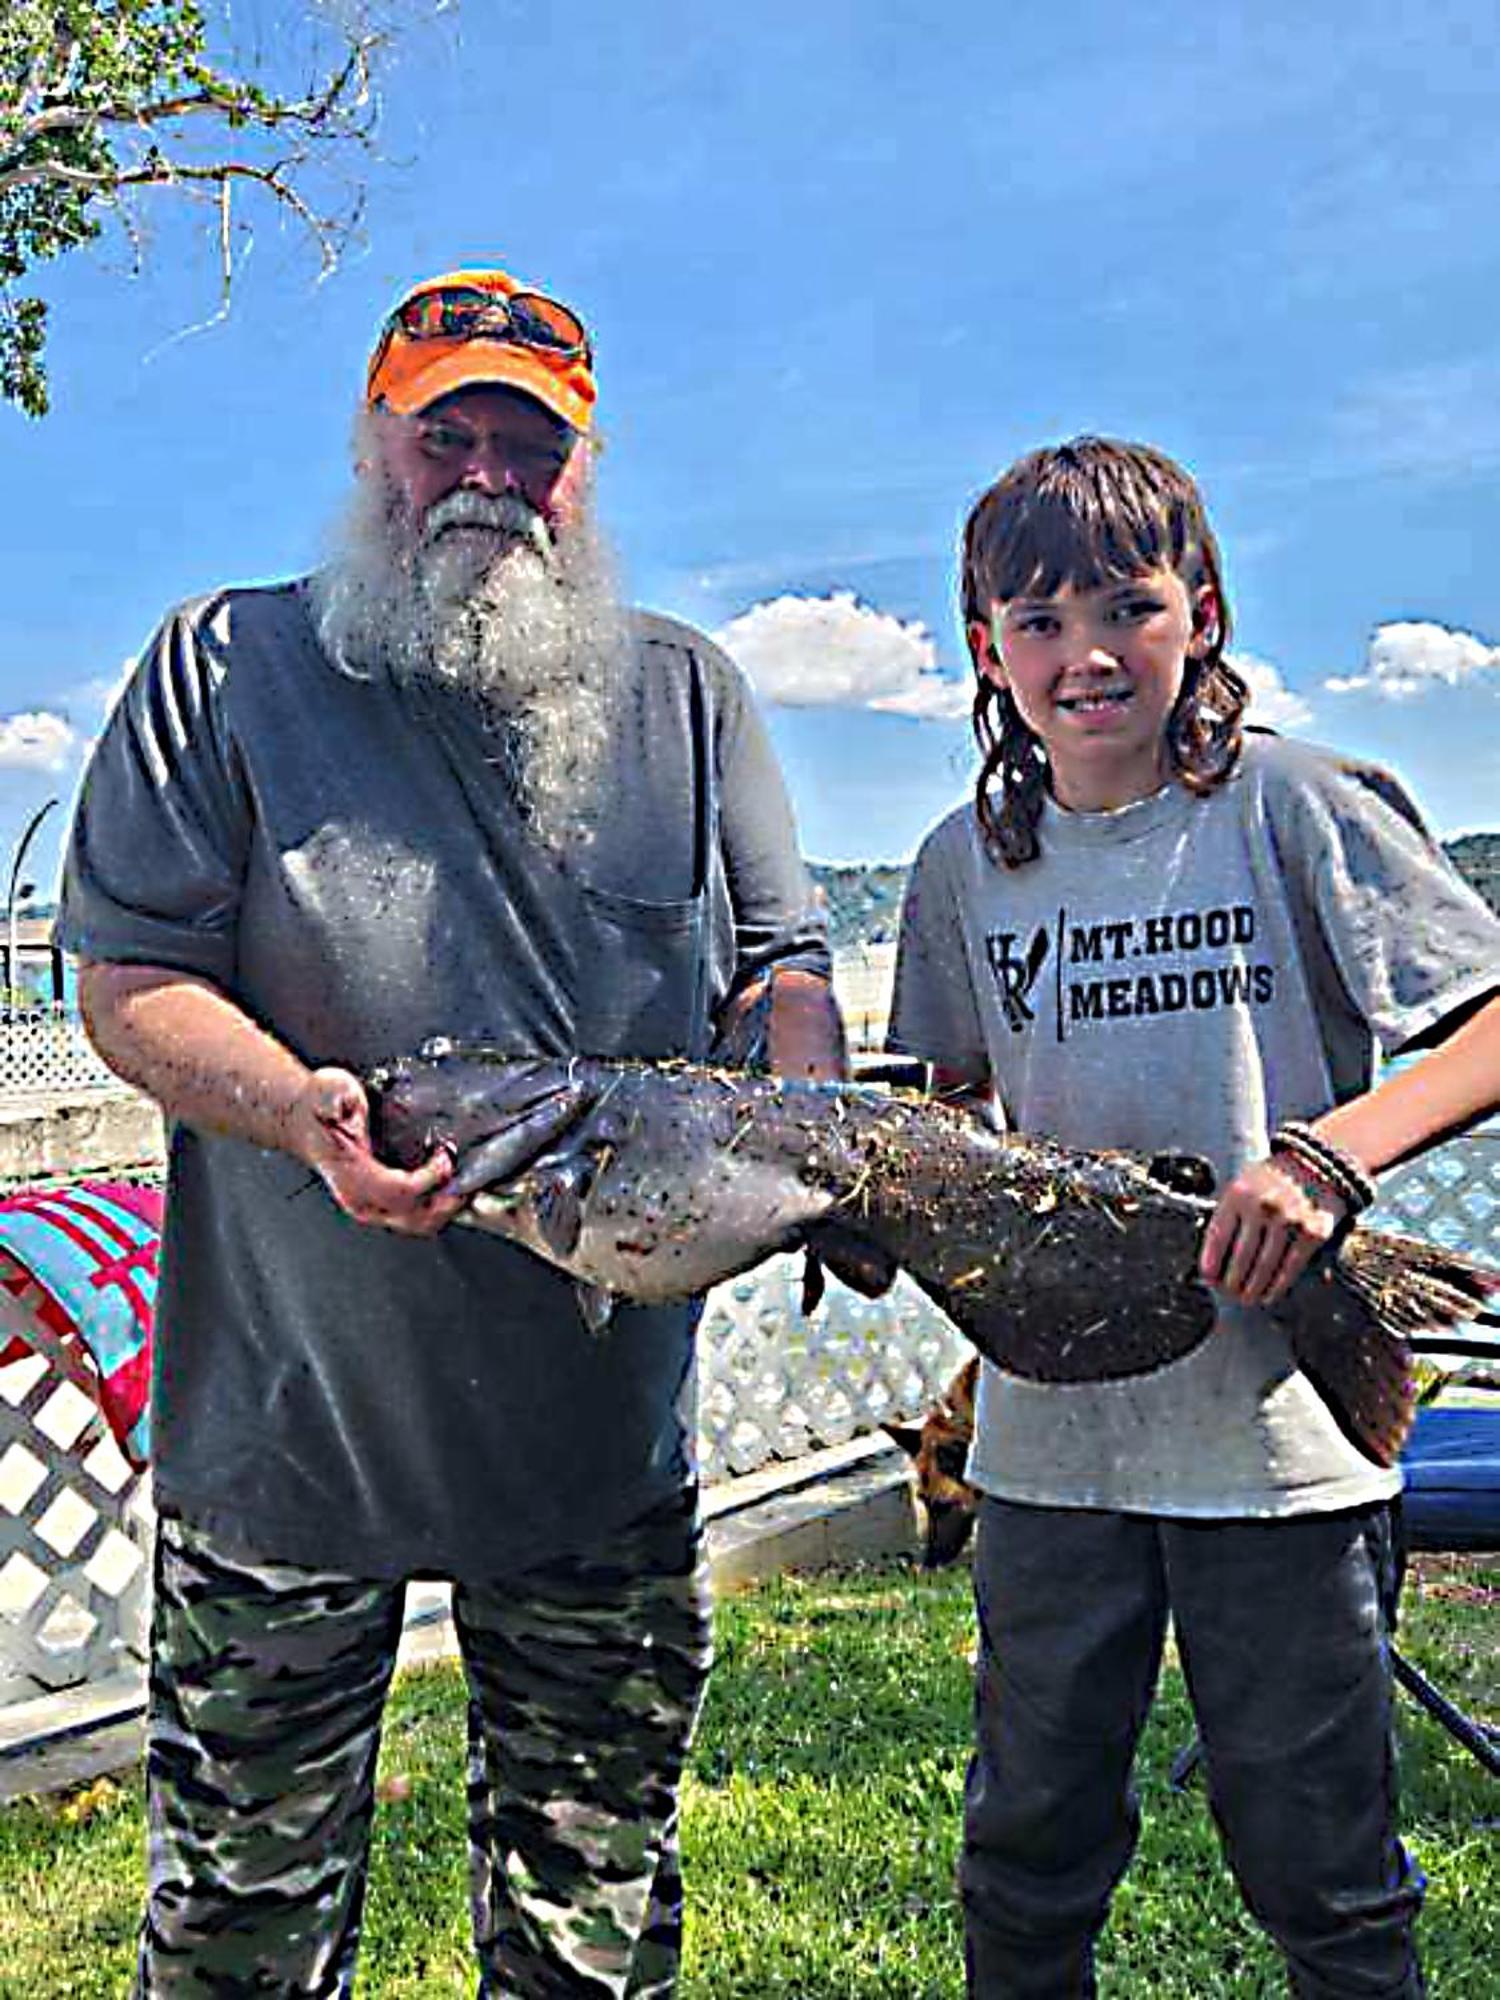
[[786, 1023], [805, 1031], [328, 1127], [1270, 1222]]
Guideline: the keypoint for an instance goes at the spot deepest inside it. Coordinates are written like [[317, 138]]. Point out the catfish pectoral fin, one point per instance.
[[853, 1259], [596, 1306], [559, 1188], [518, 1142]]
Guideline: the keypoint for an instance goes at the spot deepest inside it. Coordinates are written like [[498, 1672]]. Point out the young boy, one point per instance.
[[1154, 932]]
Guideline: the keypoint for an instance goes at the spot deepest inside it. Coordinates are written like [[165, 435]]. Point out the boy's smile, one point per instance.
[[1097, 701], [1095, 675]]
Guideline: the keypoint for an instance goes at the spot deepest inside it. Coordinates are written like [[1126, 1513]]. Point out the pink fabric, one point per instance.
[[90, 1250]]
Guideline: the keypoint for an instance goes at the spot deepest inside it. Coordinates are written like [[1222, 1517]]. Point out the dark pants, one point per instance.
[[267, 1689], [1282, 1628]]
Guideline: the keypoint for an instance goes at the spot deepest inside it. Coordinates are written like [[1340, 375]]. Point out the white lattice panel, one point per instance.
[[863, 977], [44, 1049], [773, 1384], [75, 1526], [1451, 1197]]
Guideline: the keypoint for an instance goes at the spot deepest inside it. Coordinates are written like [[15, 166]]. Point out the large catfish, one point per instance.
[[655, 1181]]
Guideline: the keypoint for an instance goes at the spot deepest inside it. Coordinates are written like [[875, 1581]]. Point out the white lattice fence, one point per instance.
[[1451, 1197], [44, 1050], [75, 1521], [773, 1384]]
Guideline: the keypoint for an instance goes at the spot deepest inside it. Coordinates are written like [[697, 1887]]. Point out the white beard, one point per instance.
[[484, 602]]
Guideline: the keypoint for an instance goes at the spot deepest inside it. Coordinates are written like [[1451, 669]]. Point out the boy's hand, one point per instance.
[[1270, 1223]]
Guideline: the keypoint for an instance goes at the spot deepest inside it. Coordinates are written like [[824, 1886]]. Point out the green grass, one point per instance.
[[821, 1821]]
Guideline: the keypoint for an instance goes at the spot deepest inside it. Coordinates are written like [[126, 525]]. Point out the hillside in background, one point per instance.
[[1476, 856], [864, 903]]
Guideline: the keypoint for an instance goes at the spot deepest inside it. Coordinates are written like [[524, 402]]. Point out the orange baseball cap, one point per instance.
[[468, 328]]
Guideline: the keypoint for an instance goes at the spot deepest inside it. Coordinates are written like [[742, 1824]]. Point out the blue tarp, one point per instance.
[[1452, 1466]]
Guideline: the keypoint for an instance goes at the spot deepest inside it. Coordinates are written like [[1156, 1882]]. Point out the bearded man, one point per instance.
[[445, 785]]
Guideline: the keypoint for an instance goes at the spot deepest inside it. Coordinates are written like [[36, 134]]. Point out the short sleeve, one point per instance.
[[933, 1011], [776, 917], [158, 850], [1409, 941]]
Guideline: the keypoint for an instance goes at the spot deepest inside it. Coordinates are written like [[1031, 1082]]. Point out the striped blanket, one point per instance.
[[81, 1262]]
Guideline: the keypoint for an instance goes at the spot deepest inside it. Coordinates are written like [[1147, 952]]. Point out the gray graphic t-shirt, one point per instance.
[[1180, 976]]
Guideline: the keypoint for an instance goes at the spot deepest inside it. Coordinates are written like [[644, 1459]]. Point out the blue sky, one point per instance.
[[843, 260]]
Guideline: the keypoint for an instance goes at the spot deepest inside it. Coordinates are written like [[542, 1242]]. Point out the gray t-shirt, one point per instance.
[[1182, 975], [344, 858]]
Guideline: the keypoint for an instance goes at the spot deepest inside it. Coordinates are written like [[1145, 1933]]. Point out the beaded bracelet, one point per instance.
[[1314, 1177], [1339, 1171]]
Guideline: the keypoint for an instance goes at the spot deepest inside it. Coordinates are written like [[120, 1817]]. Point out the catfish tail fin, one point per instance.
[[1351, 1318]]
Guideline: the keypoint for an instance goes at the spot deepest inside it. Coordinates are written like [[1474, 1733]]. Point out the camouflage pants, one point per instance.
[[267, 1689]]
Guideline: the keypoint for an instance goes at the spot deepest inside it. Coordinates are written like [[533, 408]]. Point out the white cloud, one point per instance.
[[1272, 702], [1411, 658], [36, 740], [834, 652], [935, 697]]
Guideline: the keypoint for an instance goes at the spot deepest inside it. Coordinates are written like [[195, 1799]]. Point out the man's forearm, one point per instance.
[[185, 1042]]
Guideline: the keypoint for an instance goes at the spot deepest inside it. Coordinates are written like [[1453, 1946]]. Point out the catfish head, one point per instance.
[[643, 1181]]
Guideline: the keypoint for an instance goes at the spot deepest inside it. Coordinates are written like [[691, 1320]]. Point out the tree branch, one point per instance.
[[336, 106], [55, 173], [98, 104], [221, 176]]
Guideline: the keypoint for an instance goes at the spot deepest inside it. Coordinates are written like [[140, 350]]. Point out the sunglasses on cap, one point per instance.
[[463, 312]]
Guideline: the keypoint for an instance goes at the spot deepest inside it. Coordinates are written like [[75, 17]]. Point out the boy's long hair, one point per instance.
[[1091, 512]]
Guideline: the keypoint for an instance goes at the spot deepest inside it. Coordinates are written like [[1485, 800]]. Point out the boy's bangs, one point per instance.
[[1055, 541], [1087, 513]]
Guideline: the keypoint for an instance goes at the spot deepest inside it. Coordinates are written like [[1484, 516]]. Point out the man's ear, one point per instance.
[[372, 428], [569, 495], [984, 652]]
